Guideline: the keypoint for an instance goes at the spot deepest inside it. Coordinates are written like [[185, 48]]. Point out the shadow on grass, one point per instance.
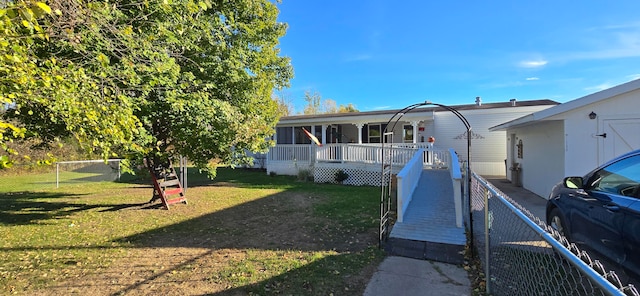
[[240, 177], [27, 207], [295, 217], [316, 278], [287, 220]]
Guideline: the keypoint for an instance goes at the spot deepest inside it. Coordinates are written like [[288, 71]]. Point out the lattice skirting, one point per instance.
[[359, 174]]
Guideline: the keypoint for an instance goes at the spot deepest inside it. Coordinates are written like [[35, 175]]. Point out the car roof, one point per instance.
[[623, 156]]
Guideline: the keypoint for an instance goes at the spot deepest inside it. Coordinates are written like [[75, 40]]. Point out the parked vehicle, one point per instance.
[[602, 210]]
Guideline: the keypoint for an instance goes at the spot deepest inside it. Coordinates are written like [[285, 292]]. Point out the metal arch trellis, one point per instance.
[[387, 167]]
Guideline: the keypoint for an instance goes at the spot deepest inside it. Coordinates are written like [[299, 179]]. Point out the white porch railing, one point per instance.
[[361, 153], [291, 152], [407, 181], [456, 179], [290, 159]]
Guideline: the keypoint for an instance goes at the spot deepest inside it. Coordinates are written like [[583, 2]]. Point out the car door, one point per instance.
[[612, 190], [631, 236]]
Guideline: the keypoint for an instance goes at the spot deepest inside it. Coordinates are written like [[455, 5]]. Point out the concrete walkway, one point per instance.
[[529, 200], [409, 277], [406, 276]]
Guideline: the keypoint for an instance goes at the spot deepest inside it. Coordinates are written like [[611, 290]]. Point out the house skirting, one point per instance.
[[359, 174]]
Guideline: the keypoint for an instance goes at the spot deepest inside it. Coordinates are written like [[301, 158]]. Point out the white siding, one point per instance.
[[542, 162], [585, 150], [488, 149], [566, 144]]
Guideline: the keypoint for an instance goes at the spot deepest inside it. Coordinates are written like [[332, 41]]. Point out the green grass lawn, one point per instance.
[[243, 233]]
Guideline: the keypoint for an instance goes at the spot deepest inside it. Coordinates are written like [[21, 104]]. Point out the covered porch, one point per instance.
[[361, 162], [355, 128]]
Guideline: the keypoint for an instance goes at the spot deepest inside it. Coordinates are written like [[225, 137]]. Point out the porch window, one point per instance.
[[374, 133], [334, 134], [407, 133], [301, 137], [318, 132], [283, 135]]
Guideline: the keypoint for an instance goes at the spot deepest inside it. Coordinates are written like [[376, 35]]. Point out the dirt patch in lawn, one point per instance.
[[272, 245]]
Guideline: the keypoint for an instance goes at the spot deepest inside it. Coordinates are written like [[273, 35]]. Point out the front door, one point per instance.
[[621, 137]]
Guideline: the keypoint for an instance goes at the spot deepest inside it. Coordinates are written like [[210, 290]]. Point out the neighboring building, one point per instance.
[[354, 137], [572, 138]]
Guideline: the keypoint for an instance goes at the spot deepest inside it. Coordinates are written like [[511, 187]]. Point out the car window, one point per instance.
[[622, 177]]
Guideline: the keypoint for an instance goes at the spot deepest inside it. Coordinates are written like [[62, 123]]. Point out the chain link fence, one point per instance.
[[521, 255]]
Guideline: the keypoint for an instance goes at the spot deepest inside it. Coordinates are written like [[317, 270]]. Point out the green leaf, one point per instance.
[[44, 7]]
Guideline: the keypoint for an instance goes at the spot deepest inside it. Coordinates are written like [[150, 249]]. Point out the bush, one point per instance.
[[341, 176], [305, 175]]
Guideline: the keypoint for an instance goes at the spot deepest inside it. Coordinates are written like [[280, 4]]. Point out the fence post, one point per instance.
[[487, 227]]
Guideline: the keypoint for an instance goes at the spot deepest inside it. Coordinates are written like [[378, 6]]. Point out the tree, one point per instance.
[[330, 106], [316, 105], [313, 102], [349, 108], [154, 78], [285, 105]]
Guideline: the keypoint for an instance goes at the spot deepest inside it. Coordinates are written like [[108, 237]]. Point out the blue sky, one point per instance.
[[390, 54]]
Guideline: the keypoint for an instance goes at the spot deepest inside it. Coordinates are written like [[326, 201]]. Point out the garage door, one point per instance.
[[622, 135]]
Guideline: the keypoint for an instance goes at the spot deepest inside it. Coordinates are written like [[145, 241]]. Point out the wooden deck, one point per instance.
[[429, 229]]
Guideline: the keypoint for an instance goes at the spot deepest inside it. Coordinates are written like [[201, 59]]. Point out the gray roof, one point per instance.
[[483, 106], [569, 106]]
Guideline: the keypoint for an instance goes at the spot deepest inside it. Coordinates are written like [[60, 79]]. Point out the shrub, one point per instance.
[[341, 176], [304, 175]]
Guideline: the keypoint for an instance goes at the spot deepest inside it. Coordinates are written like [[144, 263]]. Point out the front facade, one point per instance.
[[572, 138], [345, 135]]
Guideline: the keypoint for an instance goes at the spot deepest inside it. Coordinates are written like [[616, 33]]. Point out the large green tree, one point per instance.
[[159, 78]]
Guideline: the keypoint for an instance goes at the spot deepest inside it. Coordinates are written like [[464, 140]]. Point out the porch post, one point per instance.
[[324, 134], [293, 135], [359, 126], [415, 131]]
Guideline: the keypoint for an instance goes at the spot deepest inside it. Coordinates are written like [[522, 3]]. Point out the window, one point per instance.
[[318, 133], [301, 137], [407, 134], [374, 133], [283, 135], [621, 178]]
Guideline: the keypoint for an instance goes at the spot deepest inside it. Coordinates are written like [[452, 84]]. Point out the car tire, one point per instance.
[[556, 221]]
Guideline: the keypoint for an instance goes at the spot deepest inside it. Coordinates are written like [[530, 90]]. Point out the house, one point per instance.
[[352, 141], [572, 138]]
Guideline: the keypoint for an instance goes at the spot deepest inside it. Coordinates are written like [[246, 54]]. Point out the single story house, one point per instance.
[[352, 141], [572, 138]]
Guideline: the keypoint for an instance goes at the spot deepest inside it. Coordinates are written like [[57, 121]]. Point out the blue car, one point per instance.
[[602, 210]]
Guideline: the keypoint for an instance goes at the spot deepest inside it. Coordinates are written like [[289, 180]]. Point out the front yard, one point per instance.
[[243, 233]]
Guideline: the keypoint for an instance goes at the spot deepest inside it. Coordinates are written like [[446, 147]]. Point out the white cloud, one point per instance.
[[532, 78], [533, 63], [599, 87], [610, 42], [633, 76]]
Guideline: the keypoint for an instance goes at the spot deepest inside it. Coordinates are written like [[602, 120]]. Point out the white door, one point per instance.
[[620, 136]]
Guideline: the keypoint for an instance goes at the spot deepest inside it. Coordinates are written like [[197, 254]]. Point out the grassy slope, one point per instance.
[[246, 232]]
